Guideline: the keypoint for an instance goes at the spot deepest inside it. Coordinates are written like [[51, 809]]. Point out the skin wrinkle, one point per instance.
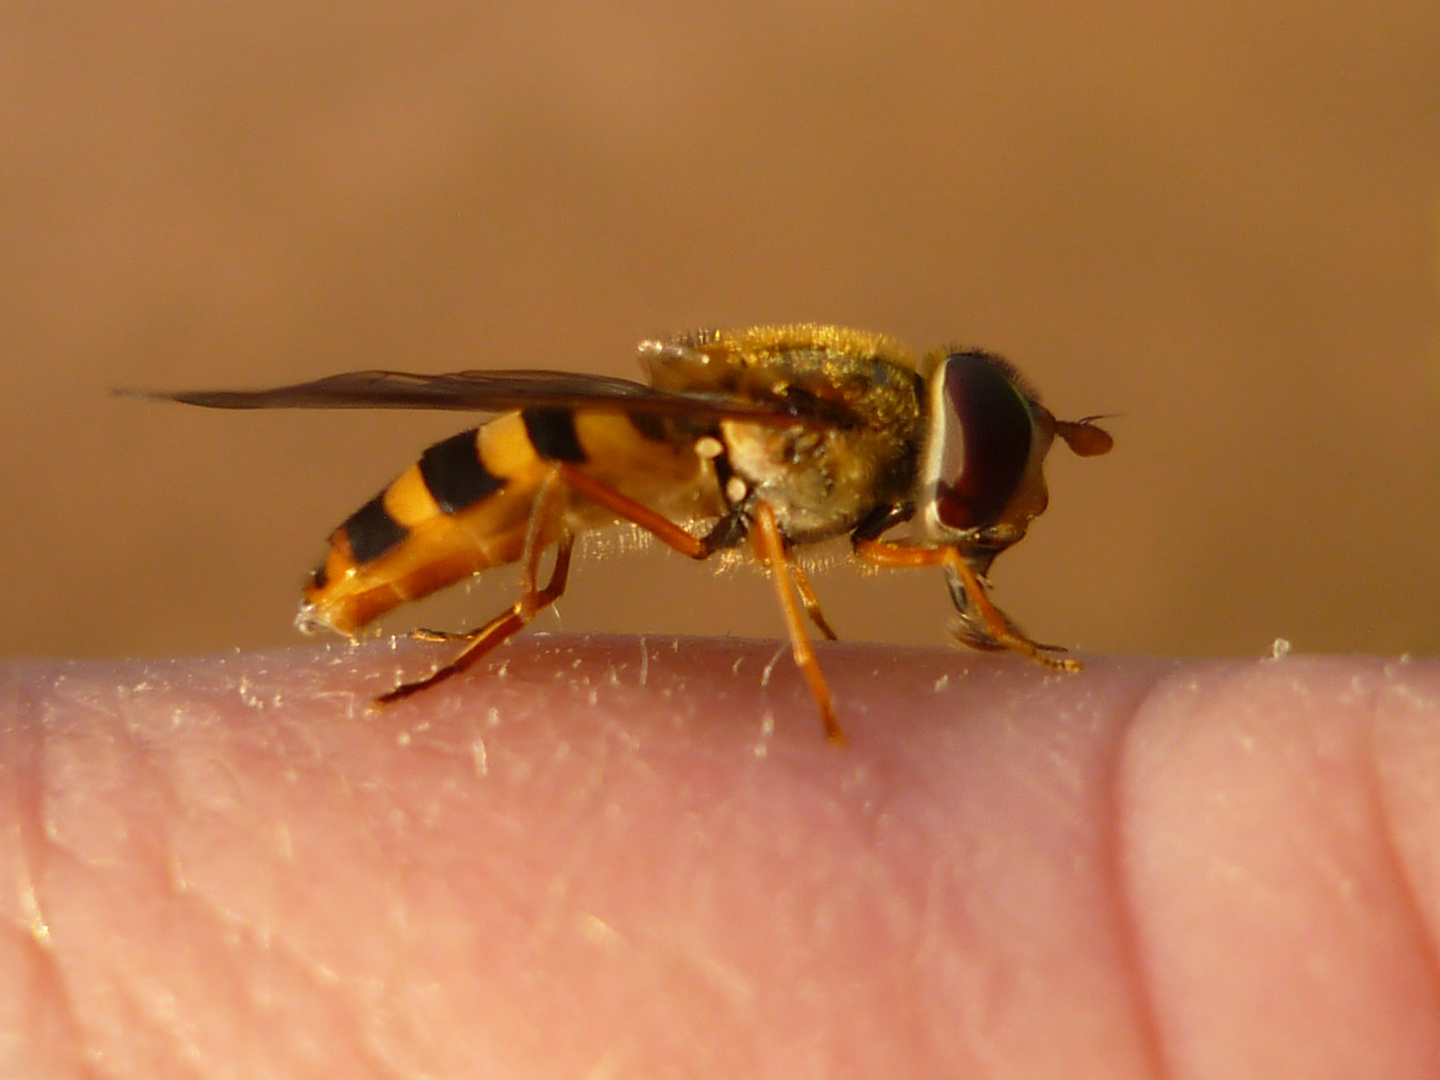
[[242, 933], [699, 965], [1161, 689], [1384, 812], [156, 857], [554, 922], [1220, 682], [1127, 923], [851, 830], [161, 854], [25, 757], [1390, 854], [1062, 790]]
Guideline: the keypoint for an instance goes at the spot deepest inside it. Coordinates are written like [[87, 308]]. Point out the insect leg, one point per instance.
[[997, 624], [656, 524], [995, 630], [811, 602], [697, 547], [770, 548], [440, 635], [532, 600]]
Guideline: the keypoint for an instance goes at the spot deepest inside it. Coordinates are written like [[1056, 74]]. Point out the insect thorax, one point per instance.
[[863, 400]]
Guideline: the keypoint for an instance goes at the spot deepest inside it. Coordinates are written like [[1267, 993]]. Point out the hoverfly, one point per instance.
[[775, 437]]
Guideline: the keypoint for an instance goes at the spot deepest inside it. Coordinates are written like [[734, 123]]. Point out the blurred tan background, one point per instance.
[[1218, 220]]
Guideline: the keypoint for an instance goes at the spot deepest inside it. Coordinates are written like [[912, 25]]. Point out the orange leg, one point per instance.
[[770, 548], [811, 602], [998, 628], [440, 635], [657, 525], [768, 545], [543, 516], [533, 600]]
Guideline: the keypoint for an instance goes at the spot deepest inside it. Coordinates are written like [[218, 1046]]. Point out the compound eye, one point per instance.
[[981, 433]]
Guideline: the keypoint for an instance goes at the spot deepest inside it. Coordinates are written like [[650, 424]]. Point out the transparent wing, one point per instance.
[[492, 391]]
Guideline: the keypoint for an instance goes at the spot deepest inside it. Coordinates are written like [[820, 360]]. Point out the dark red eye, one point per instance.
[[981, 432]]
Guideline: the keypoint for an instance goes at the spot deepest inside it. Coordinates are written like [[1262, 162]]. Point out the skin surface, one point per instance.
[[639, 857]]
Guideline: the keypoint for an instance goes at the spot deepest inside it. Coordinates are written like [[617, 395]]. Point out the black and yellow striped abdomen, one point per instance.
[[465, 506]]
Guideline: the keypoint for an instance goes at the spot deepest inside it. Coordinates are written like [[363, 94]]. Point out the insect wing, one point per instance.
[[491, 391]]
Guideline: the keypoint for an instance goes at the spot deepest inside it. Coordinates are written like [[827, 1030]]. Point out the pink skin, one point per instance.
[[640, 857]]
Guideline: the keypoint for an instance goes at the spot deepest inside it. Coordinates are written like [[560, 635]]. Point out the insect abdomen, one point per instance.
[[465, 507]]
